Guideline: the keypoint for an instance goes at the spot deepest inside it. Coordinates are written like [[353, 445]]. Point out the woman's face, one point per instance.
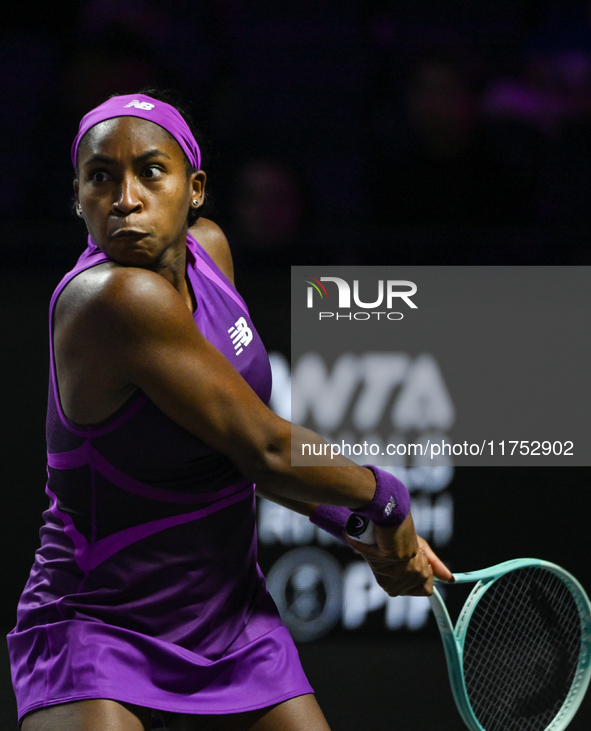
[[134, 191]]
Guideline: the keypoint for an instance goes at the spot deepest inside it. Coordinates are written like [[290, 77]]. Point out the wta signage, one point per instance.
[[388, 294]]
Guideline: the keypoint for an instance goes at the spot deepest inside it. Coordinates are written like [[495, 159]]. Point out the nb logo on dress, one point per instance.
[[139, 105], [241, 335]]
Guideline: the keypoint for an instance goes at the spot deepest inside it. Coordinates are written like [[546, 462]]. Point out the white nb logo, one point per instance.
[[139, 105], [390, 507], [241, 335]]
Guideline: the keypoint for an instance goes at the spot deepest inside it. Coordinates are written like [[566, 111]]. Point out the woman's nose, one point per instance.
[[127, 199]]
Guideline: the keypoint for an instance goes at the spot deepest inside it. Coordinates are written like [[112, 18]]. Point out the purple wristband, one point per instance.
[[332, 519], [390, 504]]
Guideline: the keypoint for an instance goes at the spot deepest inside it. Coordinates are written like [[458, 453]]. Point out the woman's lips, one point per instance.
[[128, 233]]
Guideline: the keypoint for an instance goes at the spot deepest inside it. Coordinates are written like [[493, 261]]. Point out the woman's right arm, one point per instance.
[[131, 328]]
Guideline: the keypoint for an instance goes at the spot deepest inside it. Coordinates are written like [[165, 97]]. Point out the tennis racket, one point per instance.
[[519, 655]]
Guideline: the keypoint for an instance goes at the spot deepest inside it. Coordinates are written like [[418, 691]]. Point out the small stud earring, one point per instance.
[[79, 210], [195, 203]]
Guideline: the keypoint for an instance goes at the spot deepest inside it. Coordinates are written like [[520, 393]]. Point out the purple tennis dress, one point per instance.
[[146, 587]]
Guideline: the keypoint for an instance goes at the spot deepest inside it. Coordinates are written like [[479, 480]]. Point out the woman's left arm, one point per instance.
[[214, 241], [298, 506]]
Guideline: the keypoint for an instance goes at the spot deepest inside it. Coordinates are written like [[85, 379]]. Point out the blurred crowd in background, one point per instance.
[[349, 132]]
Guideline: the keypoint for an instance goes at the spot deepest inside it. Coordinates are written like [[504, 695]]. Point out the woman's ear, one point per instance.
[[77, 205], [198, 188]]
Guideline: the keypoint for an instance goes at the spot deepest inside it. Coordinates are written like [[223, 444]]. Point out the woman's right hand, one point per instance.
[[402, 562]]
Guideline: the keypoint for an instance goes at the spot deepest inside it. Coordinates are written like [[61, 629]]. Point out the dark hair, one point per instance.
[[173, 98]]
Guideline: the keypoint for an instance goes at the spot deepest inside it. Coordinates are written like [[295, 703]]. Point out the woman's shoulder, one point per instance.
[[109, 293], [214, 241]]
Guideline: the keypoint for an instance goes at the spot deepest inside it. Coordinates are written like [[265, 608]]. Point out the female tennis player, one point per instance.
[[145, 605]]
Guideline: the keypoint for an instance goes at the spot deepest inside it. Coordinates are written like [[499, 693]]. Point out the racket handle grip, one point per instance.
[[360, 529]]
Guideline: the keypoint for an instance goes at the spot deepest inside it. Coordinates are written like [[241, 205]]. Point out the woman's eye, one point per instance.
[[152, 172], [100, 176]]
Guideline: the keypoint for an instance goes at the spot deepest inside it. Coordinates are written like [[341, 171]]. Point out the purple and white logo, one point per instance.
[[390, 507], [139, 105]]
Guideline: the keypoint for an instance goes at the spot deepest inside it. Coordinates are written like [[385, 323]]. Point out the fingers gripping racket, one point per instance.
[[519, 655]]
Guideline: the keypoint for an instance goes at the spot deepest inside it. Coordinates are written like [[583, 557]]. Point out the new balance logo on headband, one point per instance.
[[139, 105]]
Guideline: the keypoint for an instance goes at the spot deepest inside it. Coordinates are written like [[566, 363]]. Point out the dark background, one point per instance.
[[349, 132]]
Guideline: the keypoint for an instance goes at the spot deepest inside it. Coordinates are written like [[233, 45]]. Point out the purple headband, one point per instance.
[[145, 107]]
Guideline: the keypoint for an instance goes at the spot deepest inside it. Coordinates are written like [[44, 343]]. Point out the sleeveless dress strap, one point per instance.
[[205, 264]]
